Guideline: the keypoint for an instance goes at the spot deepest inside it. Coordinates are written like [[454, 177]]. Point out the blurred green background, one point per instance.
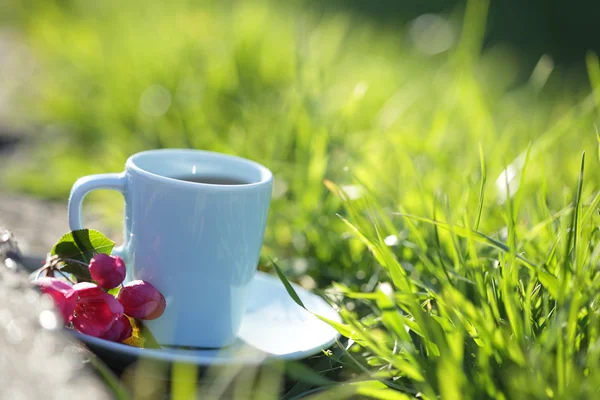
[[398, 96]]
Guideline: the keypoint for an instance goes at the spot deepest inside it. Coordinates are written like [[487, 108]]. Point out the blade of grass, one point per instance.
[[576, 216], [479, 236], [118, 390], [183, 381], [481, 188], [269, 382], [539, 228], [343, 329], [509, 268], [593, 68], [519, 193], [592, 208], [438, 246], [363, 389], [383, 257]]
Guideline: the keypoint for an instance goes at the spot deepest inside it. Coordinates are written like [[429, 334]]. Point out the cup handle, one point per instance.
[[85, 185]]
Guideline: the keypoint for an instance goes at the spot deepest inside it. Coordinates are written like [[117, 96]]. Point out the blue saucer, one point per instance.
[[274, 326]]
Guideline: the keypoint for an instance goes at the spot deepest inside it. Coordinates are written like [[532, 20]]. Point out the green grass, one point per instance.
[[453, 278]]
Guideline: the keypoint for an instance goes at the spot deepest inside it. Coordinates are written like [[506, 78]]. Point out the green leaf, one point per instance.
[[81, 245]]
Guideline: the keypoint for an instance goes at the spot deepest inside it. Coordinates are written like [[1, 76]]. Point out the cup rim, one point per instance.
[[265, 174]]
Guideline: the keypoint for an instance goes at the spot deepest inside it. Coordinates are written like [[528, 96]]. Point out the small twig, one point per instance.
[[74, 261], [47, 266], [66, 277], [52, 265], [37, 276]]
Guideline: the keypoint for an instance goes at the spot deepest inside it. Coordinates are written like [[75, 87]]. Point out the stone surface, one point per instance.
[[38, 359], [38, 224]]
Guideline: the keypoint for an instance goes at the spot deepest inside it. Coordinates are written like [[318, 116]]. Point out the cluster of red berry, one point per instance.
[[92, 310]]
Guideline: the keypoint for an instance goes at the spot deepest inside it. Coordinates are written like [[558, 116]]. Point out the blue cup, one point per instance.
[[198, 243]]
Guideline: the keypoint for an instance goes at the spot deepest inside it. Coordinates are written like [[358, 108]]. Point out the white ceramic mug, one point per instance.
[[197, 243]]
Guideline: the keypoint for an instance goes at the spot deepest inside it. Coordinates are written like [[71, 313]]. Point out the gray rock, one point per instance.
[[40, 223], [38, 359]]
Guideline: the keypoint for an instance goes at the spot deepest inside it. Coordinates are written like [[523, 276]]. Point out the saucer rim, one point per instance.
[[209, 357]]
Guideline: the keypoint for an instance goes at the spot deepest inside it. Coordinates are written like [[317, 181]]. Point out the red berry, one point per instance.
[[119, 331], [62, 293], [142, 300], [96, 311], [107, 271]]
